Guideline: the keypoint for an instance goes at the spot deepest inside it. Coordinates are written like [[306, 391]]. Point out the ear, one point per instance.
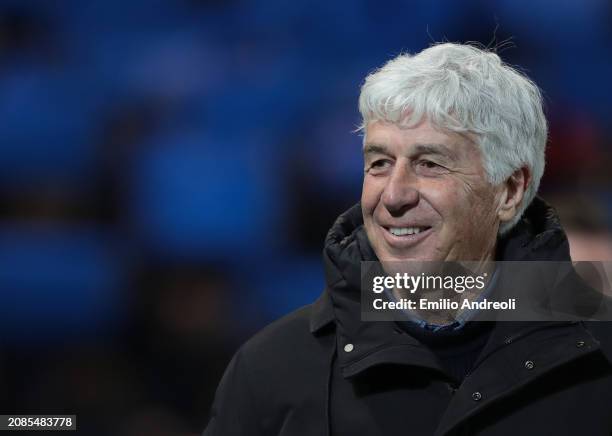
[[512, 194]]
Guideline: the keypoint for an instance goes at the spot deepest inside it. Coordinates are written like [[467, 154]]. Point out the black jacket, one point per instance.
[[295, 378]]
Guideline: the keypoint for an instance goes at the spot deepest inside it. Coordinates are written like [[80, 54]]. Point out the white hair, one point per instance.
[[463, 88]]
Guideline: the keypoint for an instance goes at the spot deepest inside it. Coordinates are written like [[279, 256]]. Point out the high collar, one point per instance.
[[537, 236]]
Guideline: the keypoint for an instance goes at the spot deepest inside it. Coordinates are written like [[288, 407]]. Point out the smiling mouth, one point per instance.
[[402, 231], [403, 237]]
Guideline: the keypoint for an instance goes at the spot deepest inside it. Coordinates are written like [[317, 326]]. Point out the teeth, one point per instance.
[[400, 231]]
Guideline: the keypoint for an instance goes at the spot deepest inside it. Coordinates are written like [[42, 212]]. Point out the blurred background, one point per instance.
[[169, 169]]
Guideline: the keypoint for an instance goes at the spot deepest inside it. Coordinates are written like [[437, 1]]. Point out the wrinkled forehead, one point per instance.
[[423, 137]]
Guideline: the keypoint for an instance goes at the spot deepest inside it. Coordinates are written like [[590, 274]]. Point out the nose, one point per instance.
[[401, 191]]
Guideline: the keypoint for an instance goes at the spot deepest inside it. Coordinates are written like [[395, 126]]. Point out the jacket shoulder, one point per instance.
[[284, 367]]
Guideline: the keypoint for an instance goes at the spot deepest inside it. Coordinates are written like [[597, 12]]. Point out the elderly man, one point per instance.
[[454, 153]]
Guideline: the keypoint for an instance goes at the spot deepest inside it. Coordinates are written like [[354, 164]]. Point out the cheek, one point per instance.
[[478, 212], [370, 195], [461, 208], [447, 199]]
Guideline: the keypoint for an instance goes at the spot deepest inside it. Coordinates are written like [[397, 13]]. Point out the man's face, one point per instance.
[[425, 195]]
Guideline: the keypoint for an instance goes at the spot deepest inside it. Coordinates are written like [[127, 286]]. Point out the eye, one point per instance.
[[379, 166], [428, 164], [381, 163], [429, 168]]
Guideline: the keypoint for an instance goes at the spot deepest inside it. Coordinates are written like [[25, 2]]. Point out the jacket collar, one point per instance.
[[322, 313], [537, 236], [346, 245]]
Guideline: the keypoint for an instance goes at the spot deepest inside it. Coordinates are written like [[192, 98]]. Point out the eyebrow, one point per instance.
[[376, 148], [438, 149]]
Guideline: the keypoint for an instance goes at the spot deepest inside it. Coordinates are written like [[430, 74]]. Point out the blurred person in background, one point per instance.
[[589, 237], [454, 152], [585, 224]]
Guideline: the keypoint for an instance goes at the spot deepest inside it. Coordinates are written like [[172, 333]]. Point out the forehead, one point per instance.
[[422, 137]]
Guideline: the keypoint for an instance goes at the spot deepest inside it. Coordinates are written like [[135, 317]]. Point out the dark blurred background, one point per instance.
[[169, 169]]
